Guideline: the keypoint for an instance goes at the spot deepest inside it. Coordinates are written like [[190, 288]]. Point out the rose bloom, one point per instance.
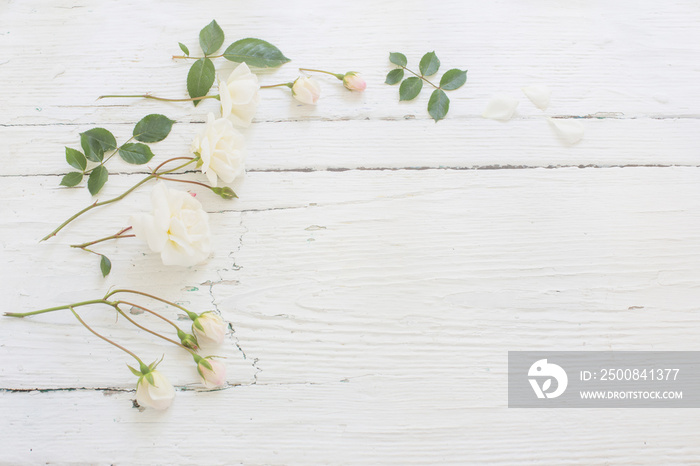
[[210, 327], [178, 228], [158, 395], [239, 96], [354, 82], [214, 377], [220, 146], [306, 90]]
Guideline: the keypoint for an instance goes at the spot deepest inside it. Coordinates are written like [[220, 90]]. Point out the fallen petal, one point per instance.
[[500, 108], [570, 131], [538, 95]]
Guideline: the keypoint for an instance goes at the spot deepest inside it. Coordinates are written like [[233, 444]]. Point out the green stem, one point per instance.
[[148, 96], [110, 156], [141, 293], [59, 308], [116, 306], [150, 312], [105, 338], [121, 196], [106, 238], [184, 181], [270, 86], [418, 75], [339, 76], [185, 57]]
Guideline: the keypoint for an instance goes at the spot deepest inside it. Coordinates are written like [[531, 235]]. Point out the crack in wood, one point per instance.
[[422, 168]]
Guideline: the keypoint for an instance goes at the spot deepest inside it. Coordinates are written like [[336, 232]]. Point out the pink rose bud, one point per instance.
[[209, 327], [354, 82], [213, 376]]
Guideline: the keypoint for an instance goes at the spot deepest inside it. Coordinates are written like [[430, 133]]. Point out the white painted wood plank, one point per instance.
[[321, 145], [372, 311], [633, 58], [333, 275], [372, 420]]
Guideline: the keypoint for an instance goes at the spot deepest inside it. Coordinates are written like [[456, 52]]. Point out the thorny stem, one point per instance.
[[150, 312], [337, 75], [116, 306], [148, 96], [110, 156], [270, 86], [58, 308], [106, 238], [185, 181], [185, 57], [105, 338], [153, 175], [420, 76], [141, 293]]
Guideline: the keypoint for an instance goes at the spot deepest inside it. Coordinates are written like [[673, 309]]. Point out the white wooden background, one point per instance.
[[377, 266]]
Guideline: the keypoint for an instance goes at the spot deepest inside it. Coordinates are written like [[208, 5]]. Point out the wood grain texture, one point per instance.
[[377, 267]]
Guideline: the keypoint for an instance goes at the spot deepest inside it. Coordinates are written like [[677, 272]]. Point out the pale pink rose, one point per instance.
[[354, 82], [156, 395], [239, 96], [306, 90], [209, 327], [178, 228], [214, 377], [221, 148]]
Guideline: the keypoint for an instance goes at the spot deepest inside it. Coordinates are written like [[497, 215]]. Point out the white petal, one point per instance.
[[225, 98], [571, 131], [500, 108], [538, 95]]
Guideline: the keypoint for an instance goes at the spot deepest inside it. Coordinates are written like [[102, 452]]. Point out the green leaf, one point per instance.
[[398, 59], [410, 88], [105, 266], [200, 78], [225, 192], [97, 179], [255, 52], [429, 64], [453, 79], [153, 128], [76, 159], [95, 142], [438, 105], [184, 49], [134, 371], [211, 38], [135, 153], [394, 76], [72, 179]]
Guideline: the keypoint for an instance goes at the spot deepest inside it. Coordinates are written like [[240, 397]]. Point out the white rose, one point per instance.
[[156, 395], [220, 146], [209, 328], [306, 90], [239, 96], [178, 228], [214, 377]]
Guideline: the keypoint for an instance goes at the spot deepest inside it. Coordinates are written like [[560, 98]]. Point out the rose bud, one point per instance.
[[354, 82], [306, 90], [209, 327]]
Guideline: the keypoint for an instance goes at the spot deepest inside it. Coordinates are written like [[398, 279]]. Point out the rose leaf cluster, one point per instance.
[[439, 103]]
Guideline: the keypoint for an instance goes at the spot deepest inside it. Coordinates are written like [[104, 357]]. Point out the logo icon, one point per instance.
[[546, 372]]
